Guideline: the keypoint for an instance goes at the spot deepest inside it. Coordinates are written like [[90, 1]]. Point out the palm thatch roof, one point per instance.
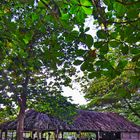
[[83, 121]]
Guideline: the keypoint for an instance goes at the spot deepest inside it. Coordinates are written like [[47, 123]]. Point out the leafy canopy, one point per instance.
[[37, 36], [37, 49]]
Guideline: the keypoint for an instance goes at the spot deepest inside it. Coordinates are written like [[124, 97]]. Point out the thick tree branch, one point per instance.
[[55, 12], [101, 12]]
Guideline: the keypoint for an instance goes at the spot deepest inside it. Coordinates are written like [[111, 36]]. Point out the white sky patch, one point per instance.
[[77, 97], [89, 23]]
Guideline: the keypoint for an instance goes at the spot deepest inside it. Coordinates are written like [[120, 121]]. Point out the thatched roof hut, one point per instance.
[[86, 121]]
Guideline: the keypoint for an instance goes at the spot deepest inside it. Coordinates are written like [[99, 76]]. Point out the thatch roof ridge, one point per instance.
[[85, 120], [105, 121]]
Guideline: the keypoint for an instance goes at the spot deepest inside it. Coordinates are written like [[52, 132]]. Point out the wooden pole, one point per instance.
[[12, 135], [46, 135], [49, 135], [41, 135], [78, 135], [37, 135], [97, 135], [56, 134], [5, 135], [33, 134], [62, 133]]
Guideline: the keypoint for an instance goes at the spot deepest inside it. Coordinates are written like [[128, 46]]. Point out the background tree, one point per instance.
[[115, 47], [116, 42], [37, 50], [118, 95], [39, 36]]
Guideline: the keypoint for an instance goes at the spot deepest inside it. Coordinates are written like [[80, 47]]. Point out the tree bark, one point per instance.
[[22, 105], [20, 123]]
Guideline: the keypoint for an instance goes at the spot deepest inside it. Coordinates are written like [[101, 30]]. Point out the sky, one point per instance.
[[76, 95]]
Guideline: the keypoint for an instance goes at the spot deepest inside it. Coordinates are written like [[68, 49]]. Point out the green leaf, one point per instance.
[[26, 39], [74, 9], [41, 5], [92, 75], [122, 92], [114, 44], [133, 13], [64, 15], [124, 49], [78, 62], [87, 29], [80, 15], [109, 3], [119, 8], [87, 11], [27, 35], [102, 34], [135, 50], [23, 54], [80, 52], [86, 3], [87, 65], [99, 44], [121, 65], [75, 33], [137, 71], [87, 39], [104, 49], [74, 1], [83, 66], [35, 17], [138, 64], [99, 63], [136, 58]]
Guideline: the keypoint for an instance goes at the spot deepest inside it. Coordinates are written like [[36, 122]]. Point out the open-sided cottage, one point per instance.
[[104, 126]]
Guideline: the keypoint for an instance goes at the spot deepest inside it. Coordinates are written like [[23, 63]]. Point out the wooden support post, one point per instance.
[[5, 135], [46, 136], [56, 134], [42, 135], [97, 136], [37, 135], [12, 135], [78, 135], [62, 135], [32, 134], [49, 135]]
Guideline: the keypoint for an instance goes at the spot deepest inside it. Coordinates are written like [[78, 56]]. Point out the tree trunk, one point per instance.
[[22, 105], [20, 124]]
